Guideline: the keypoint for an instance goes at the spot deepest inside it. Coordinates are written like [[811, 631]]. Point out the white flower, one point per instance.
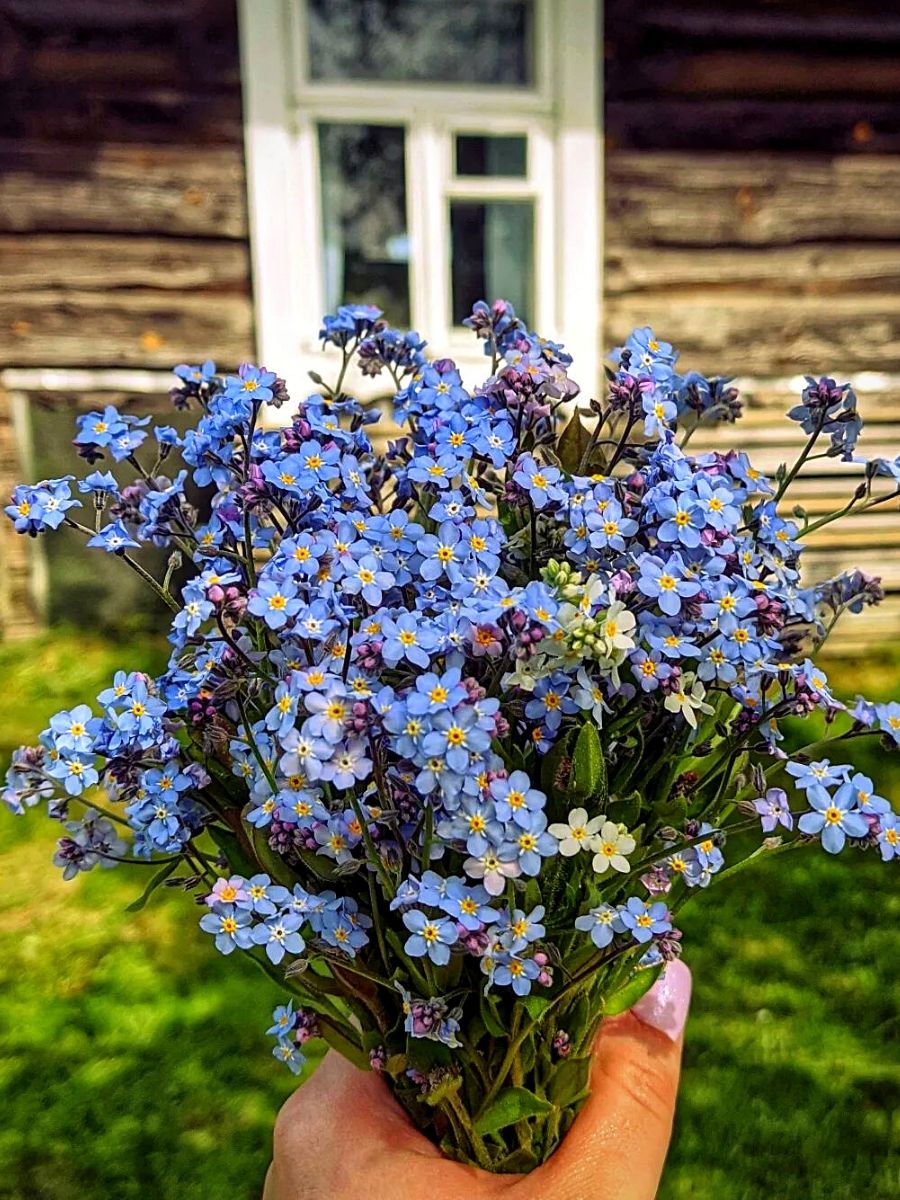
[[611, 847], [616, 630], [578, 834], [528, 671], [688, 701]]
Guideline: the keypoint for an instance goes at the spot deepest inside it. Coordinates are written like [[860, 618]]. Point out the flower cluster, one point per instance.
[[450, 730]]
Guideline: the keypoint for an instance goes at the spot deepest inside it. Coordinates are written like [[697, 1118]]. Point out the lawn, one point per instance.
[[135, 1065]]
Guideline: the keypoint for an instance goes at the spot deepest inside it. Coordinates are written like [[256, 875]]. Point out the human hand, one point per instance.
[[342, 1136]]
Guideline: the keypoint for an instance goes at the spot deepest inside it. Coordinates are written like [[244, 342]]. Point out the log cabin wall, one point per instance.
[[753, 219], [123, 225]]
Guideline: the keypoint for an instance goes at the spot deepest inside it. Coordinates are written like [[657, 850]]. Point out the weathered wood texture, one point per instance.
[[119, 187], [111, 301], [18, 615], [723, 75], [123, 225]]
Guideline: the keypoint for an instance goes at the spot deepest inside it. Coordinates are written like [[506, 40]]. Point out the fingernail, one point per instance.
[[665, 1006]]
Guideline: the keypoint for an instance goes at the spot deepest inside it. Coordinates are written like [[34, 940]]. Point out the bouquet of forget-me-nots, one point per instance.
[[452, 728]]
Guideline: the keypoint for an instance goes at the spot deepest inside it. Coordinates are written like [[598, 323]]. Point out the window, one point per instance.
[[421, 155]]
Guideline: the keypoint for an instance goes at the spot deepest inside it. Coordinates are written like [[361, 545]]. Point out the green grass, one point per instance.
[[134, 1062]]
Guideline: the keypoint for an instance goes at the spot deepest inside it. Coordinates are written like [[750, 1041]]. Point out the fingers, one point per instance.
[[617, 1147], [343, 1135]]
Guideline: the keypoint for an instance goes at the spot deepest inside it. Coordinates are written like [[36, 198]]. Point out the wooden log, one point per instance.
[[754, 71], [116, 188], [103, 14], [834, 125], [668, 199], [815, 269], [128, 114], [96, 262], [140, 328], [759, 333], [18, 610], [870, 23]]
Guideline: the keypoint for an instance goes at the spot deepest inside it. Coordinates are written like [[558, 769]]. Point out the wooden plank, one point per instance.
[[764, 334], [810, 269], [128, 113], [96, 262], [784, 23], [830, 125], [704, 200], [125, 328], [110, 14], [117, 188], [18, 614], [771, 72]]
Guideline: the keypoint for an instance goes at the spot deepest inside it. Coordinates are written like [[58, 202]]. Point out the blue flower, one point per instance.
[[440, 552], [666, 581], [533, 843], [644, 919], [250, 383], [602, 923], [682, 520], [100, 483], [516, 800], [231, 927], [659, 414], [287, 1053], [834, 817], [275, 601], [279, 934], [888, 836], [75, 729], [518, 973], [429, 936], [539, 481], [114, 539]]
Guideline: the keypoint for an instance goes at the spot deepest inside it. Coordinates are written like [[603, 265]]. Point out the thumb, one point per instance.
[[617, 1147]]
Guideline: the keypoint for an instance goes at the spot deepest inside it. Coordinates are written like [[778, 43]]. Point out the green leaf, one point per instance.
[[556, 772], [513, 1104], [532, 897], [491, 1016], [588, 765], [570, 1082], [638, 985], [271, 862], [572, 444], [425, 1055], [162, 874], [396, 1065], [625, 809], [535, 1005], [230, 845], [339, 1041]]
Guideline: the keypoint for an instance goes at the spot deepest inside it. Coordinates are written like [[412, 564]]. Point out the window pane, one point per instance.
[[364, 239], [423, 41], [492, 254], [477, 154]]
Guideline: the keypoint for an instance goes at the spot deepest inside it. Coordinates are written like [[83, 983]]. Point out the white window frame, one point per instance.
[[560, 116]]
